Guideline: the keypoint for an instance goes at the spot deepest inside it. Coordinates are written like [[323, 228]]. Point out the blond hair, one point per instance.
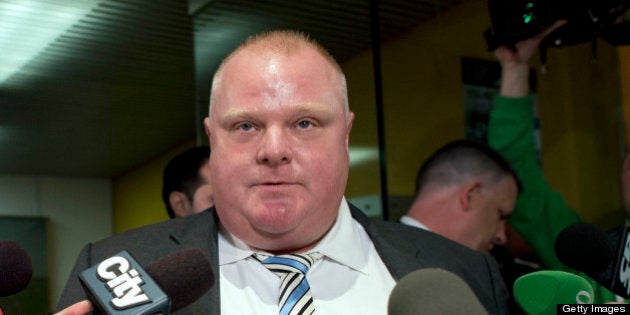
[[284, 42]]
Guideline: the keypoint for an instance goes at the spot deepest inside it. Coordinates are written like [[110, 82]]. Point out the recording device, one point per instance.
[[516, 20], [605, 257], [16, 268], [539, 292], [120, 285], [433, 291]]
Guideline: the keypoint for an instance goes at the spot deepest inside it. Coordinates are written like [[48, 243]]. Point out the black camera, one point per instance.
[[516, 20]]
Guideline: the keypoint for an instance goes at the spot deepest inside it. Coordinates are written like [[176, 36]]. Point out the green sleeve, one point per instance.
[[540, 213]]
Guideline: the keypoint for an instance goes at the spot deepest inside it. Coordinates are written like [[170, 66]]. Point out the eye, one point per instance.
[[503, 216], [246, 126], [305, 124]]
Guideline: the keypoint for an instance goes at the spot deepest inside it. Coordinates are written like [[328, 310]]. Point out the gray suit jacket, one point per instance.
[[403, 249]]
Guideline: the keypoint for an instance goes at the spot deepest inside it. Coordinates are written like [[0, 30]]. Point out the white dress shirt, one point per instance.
[[350, 279]]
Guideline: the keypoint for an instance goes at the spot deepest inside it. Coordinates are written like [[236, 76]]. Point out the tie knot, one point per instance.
[[292, 263]]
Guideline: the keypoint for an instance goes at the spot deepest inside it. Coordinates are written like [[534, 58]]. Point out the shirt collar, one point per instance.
[[343, 243], [407, 220]]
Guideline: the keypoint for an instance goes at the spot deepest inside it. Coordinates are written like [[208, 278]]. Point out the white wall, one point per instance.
[[79, 211]]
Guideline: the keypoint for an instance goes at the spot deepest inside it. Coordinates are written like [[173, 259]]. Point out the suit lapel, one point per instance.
[[399, 255], [201, 231]]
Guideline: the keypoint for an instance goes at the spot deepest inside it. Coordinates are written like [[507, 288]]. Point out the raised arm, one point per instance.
[[540, 212], [515, 63]]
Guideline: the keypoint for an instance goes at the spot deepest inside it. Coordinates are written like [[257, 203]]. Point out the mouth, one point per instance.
[[273, 189], [274, 183]]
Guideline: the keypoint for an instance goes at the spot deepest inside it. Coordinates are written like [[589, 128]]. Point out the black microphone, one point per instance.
[[16, 268], [433, 291], [605, 257], [119, 285]]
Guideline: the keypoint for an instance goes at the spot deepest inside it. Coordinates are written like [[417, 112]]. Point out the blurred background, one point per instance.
[[97, 95]]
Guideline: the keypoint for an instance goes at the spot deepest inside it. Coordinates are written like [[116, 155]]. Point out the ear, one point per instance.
[[468, 194], [206, 124], [349, 127], [180, 203]]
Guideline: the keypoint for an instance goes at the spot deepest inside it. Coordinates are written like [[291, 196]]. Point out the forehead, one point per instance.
[[301, 73]]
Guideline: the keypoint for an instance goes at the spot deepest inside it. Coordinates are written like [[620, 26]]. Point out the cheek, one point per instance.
[[490, 222], [493, 227], [225, 170], [328, 159], [226, 153]]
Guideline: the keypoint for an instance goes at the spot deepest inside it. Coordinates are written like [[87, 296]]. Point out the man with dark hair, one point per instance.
[[186, 185], [465, 192]]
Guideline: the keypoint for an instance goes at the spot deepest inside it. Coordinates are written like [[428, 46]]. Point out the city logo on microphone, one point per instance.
[[120, 285], [123, 281]]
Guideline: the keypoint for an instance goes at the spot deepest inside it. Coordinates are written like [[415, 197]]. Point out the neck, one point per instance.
[[435, 213], [286, 251]]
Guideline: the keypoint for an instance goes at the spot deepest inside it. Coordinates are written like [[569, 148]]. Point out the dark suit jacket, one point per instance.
[[403, 249]]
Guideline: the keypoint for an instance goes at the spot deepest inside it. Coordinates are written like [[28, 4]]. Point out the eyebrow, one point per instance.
[[307, 108]]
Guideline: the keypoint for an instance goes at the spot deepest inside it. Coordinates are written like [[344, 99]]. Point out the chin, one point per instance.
[[275, 222]]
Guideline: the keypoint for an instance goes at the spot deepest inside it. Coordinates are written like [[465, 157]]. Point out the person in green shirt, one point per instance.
[[540, 213]]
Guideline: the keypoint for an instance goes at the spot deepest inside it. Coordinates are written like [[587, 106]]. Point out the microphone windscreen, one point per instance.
[[16, 269], [539, 292], [584, 247], [433, 291], [184, 276]]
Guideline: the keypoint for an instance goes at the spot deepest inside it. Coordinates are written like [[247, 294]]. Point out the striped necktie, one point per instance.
[[295, 292]]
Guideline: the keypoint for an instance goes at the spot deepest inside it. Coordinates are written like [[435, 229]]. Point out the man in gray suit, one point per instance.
[[279, 126], [465, 191]]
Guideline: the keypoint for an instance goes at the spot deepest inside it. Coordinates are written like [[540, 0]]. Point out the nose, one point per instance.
[[500, 237], [274, 148]]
